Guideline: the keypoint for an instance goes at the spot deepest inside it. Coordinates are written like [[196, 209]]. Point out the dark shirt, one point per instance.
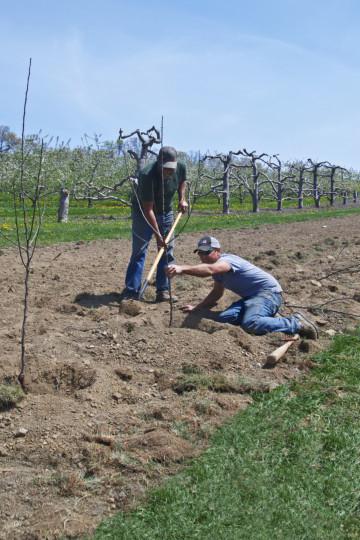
[[150, 186]]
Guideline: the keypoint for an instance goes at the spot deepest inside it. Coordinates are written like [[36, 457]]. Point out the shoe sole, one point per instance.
[[302, 318]]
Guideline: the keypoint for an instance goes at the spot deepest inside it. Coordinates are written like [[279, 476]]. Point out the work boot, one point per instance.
[[307, 328], [128, 295], [164, 296]]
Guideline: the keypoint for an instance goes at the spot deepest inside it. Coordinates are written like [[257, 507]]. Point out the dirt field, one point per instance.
[[118, 400]]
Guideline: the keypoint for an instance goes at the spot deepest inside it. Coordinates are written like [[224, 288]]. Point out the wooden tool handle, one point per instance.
[[161, 250], [159, 255], [276, 355]]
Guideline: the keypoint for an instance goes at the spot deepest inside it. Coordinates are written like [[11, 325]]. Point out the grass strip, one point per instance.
[[89, 229], [287, 467]]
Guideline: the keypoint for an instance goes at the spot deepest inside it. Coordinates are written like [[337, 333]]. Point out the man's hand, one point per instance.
[[183, 206], [173, 270], [188, 308], [160, 242]]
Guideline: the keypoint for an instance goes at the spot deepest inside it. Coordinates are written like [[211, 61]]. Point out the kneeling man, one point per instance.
[[260, 292]]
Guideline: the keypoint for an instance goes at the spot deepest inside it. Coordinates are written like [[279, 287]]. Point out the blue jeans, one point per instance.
[[141, 236], [256, 315]]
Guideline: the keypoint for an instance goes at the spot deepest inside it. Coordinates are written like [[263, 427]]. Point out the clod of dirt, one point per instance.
[[124, 374], [163, 380], [21, 432], [309, 346], [199, 321], [218, 383], [217, 364], [67, 378], [230, 402], [244, 340], [160, 445], [3, 452], [131, 308], [107, 440], [136, 323], [209, 326], [67, 308]]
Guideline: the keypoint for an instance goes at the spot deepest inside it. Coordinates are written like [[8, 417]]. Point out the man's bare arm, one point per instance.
[[199, 270], [214, 295], [148, 208], [183, 205]]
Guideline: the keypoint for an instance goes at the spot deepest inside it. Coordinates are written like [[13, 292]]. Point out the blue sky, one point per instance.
[[280, 76]]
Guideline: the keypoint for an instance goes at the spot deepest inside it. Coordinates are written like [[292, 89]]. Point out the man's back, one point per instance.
[[244, 278]]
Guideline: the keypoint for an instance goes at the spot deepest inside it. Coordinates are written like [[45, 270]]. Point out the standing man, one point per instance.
[[260, 292], [152, 214]]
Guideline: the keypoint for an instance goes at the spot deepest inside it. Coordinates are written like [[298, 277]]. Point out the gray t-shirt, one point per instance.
[[244, 278]]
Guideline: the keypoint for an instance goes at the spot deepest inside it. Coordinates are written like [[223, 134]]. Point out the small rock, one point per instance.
[[321, 322], [315, 283], [21, 432], [330, 258], [3, 452], [331, 332], [356, 297]]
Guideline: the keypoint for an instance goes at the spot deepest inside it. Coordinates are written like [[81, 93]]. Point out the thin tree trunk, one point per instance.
[[332, 188], [226, 192], [21, 376], [279, 199], [63, 210]]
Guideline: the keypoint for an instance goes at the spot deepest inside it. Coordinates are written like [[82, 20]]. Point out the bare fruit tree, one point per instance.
[[301, 182], [145, 139], [97, 174], [258, 177], [332, 179], [28, 205], [280, 182], [227, 161]]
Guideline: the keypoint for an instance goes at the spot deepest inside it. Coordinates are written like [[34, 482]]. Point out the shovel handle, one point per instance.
[[159, 255], [276, 355]]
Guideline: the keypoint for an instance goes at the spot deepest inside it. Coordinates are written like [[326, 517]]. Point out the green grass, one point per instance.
[[10, 395], [288, 467], [93, 223]]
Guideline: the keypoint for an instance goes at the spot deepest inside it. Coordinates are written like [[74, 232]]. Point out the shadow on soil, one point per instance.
[[91, 300]]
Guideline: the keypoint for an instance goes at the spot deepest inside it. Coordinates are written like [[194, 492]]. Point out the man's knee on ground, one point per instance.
[[229, 318], [253, 325]]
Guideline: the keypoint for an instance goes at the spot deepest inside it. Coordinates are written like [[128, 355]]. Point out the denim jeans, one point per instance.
[[141, 236], [256, 315]]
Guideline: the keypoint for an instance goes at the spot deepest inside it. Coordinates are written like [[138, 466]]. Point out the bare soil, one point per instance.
[[117, 400]]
